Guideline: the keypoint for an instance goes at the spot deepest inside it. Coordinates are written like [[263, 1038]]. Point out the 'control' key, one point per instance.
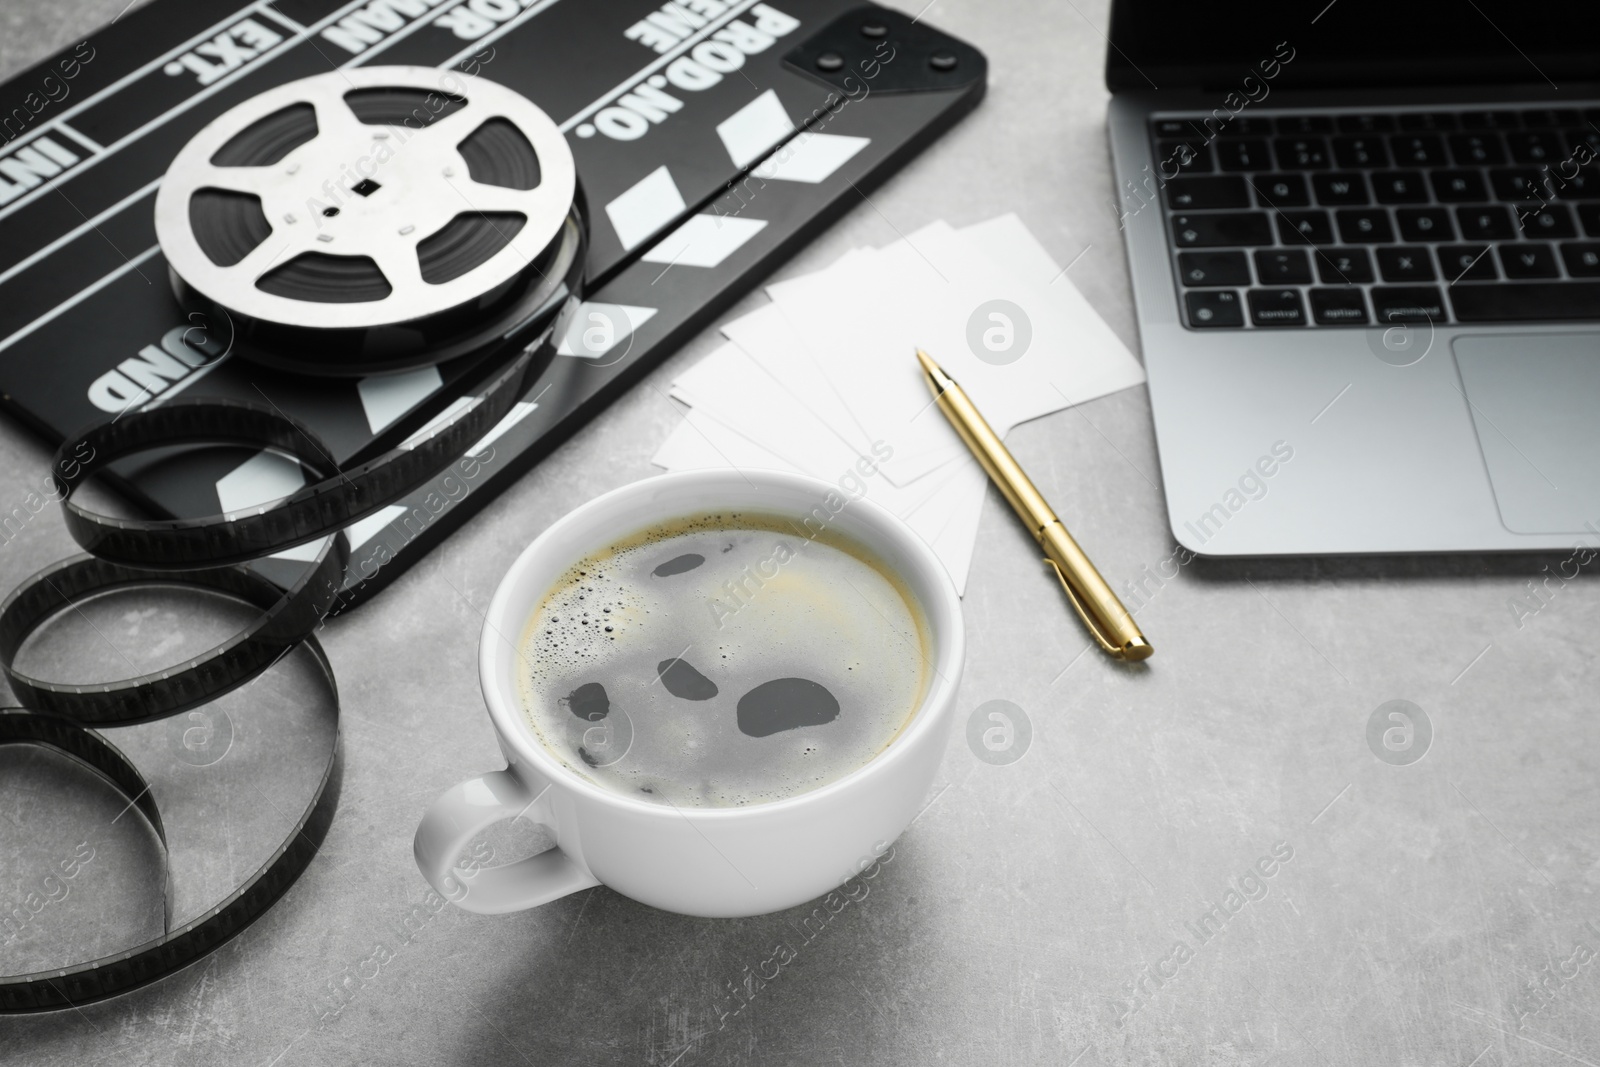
[[1276, 307]]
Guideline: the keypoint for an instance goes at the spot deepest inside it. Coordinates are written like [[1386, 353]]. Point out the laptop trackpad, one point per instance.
[[1535, 400]]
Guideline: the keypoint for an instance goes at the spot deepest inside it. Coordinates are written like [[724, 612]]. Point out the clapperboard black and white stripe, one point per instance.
[[711, 139]]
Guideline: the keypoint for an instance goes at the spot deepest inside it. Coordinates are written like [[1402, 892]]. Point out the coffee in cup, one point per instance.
[[723, 659]]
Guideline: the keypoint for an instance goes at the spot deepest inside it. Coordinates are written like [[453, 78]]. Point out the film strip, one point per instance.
[[82, 983], [209, 554]]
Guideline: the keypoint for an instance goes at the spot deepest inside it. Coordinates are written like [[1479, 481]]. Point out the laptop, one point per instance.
[[1364, 241]]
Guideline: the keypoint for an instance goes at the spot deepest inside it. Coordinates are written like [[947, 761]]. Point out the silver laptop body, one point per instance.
[[1415, 433]]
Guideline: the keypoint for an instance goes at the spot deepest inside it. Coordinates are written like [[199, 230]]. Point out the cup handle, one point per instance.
[[461, 814]]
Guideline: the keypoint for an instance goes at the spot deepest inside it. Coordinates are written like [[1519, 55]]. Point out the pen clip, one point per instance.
[[1083, 613]]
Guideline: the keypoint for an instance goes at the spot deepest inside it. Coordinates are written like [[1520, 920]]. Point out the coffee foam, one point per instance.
[[767, 601]]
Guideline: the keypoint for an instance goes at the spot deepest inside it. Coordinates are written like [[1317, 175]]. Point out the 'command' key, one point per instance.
[[1408, 303]]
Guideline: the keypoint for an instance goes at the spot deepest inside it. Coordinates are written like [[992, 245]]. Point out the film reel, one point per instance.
[[374, 219]]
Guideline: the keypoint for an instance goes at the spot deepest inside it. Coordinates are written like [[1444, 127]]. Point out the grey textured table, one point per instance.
[[1047, 911]]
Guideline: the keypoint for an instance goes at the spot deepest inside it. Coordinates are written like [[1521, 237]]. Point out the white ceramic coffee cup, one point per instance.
[[715, 862]]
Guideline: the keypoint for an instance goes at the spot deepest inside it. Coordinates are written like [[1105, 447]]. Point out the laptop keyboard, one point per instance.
[[1327, 219]]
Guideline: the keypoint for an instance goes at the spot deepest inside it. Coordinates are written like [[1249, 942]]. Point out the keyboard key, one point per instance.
[[1534, 146], [1360, 152], [1458, 186], [1521, 184], [1399, 187], [1485, 222], [1425, 224], [1589, 215], [1528, 302], [1283, 266], [1477, 149], [1522, 261], [1581, 143], [1339, 188], [1301, 153], [1583, 260], [1213, 268], [1582, 185], [1418, 150], [1182, 157], [1214, 192], [1296, 125], [1245, 126], [1467, 263], [1223, 228], [1490, 120], [1412, 303], [1343, 266], [1218, 307], [1311, 227], [1405, 264], [1245, 154], [1365, 123], [1548, 220], [1551, 116], [1276, 307], [1176, 128], [1364, 225], [1281, 190], [1338, 307], [1427, 120]]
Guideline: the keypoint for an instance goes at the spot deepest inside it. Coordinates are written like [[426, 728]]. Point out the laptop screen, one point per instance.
[[1207, 44]]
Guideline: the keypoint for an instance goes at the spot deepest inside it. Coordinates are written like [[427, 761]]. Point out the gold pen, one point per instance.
[[1096, 604]]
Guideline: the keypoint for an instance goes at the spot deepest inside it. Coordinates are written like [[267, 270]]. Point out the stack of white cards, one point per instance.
[[824, 379]]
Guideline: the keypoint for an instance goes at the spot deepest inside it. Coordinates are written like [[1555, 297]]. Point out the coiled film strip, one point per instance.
[[209, 554]]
